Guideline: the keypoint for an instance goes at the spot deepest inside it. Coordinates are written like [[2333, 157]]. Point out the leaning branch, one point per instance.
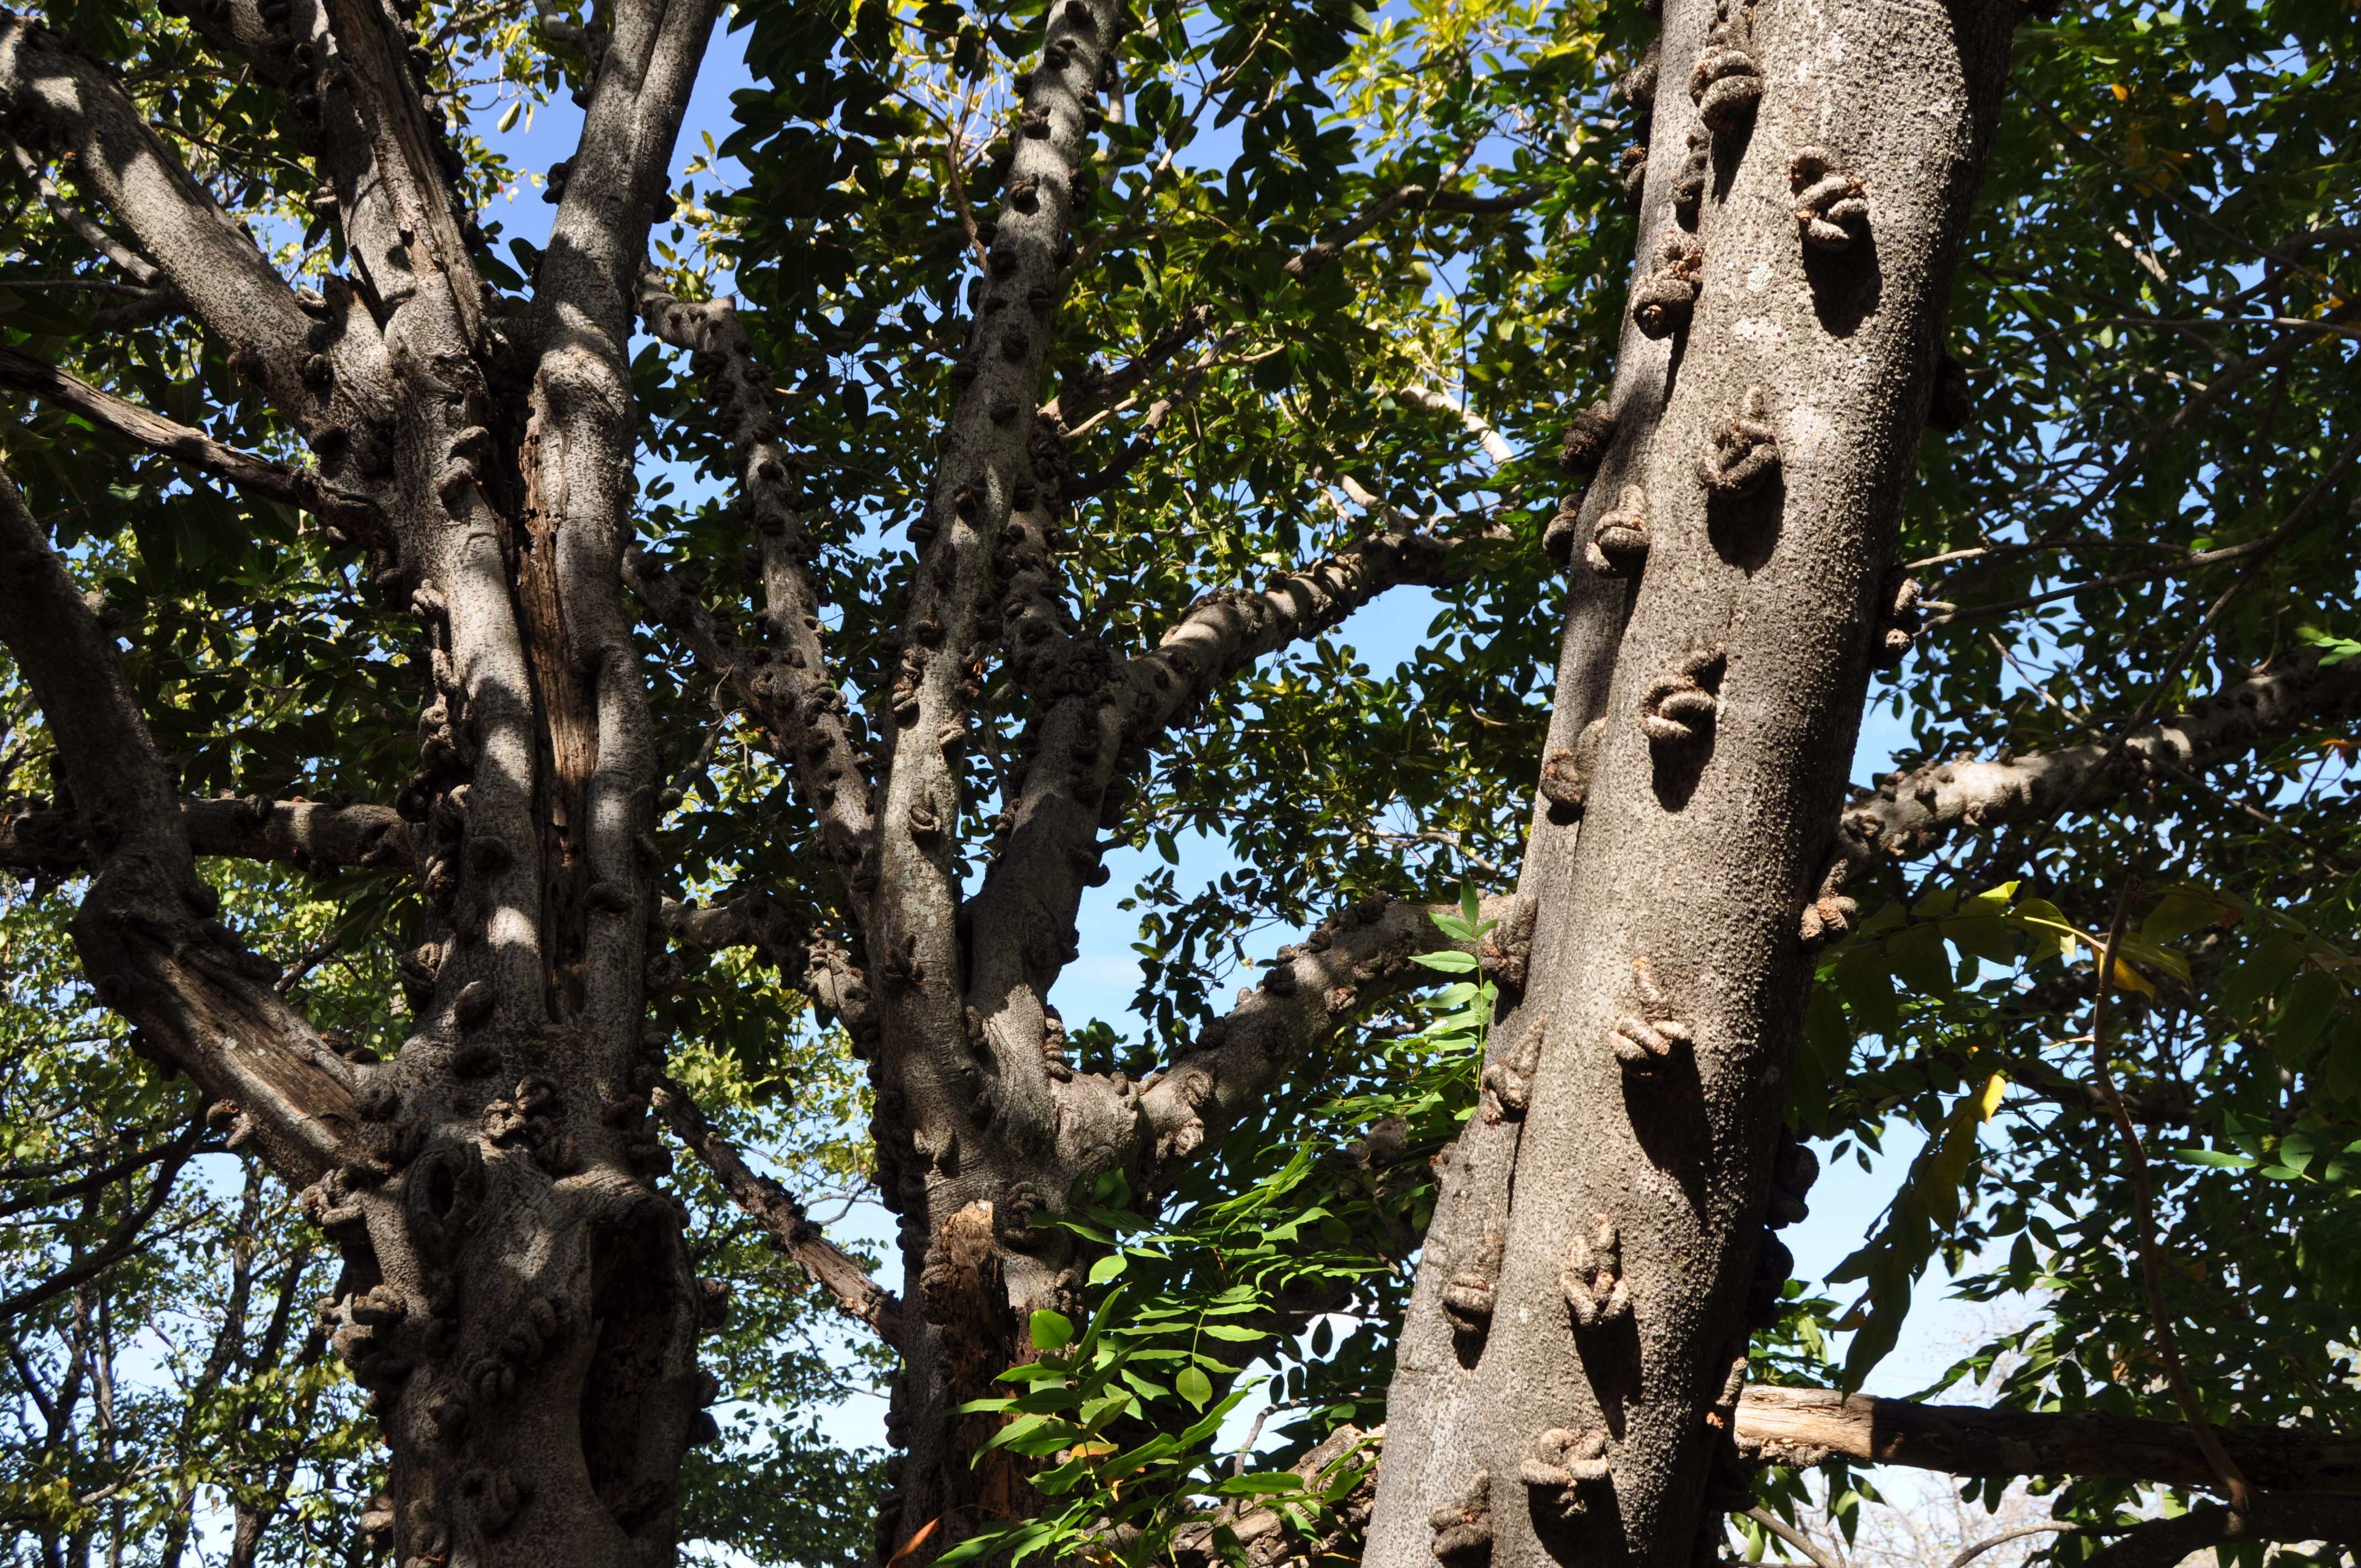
[[2163, 1543], [785, 683], [776, 1210], [1346, 966], [1802, 1426], [52, 90], [37, 840], [196, 994], [1911, 812], [1407, 198], [1096, 716], [255, 476]]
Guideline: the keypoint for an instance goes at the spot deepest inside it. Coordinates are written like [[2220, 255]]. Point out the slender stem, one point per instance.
[[2209, 1442]]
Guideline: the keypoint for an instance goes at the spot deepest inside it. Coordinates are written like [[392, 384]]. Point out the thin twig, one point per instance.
[[2005, 1537], [2209, 1442], [1821, 1557], [2252, 549]]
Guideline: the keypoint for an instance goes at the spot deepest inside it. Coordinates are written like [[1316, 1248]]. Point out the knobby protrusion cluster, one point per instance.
[[1468, 1299], [1768, 1284], [1950, 404], [1592, 1279], [1636, 87], [1902, 619], [1588, 432], [1794, 1168], [1726, 84], [1690, 179], [1644, 1041], [1743, 454], [1831, 208], [1508, 1083], [1567, 770], [1831, 914], [1566, 1470], [1662, 300], [1463, 1527], [1619, 542], [1678, 711]]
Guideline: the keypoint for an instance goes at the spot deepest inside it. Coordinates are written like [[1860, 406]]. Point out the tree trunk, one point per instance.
[[1576, 1409], [517, 1296]]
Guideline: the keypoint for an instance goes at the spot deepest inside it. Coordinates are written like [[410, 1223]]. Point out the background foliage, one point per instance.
[[2156, 325]]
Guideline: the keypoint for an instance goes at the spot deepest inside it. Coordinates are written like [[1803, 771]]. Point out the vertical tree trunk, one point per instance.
[[1574, 1419]]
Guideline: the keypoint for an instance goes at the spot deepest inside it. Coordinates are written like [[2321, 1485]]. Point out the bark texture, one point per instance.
[[516, 1296], [1669, 969]]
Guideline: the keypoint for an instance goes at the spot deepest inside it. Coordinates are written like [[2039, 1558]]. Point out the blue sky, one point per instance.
[[1102, 980]]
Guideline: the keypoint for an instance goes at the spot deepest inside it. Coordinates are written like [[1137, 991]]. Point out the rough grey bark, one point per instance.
[[1669, 967], [516, 1296]]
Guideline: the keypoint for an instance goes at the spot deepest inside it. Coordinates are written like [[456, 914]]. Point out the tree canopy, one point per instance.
[[1331, 289]]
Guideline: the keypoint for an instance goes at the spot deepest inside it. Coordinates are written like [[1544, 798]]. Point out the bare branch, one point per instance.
[[1407, 198], [256, 476], [1820, 1556], [1802, 1426], [144, 931], [142, 270], [2048, 1527], [2252, 550], [126, 1238], [1089, 389], [1910, 813], [308, 835], [787, 686], [778, 1212], [1433, 401]]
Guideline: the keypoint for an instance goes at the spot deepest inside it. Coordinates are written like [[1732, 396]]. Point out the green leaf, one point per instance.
[[1260, 1484], [1052, 1330], [2215, 1157], [1108, 1268], [1449, 962], [509, 116], [1193, 1385]]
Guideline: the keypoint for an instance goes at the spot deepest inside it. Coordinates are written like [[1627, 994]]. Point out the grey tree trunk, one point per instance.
[[1559, 1404], [517, 1297]]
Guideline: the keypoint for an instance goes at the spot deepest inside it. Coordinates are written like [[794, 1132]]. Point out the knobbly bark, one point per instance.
[[516, 1296], [1669, 967]]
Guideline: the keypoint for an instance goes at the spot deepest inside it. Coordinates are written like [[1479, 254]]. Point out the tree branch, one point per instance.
[[256, 476], [1092, 390], [144, 932], [1348, 964], [44, 839], [645, 66], [50, 88], [1094, 716], [2162, 1543], [786, 686], [778, 1212], [126, 1238], [1802, 1426], [1412, 198], [1820, 1556], [2253, 549], [1911, 812], [142, 270]]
